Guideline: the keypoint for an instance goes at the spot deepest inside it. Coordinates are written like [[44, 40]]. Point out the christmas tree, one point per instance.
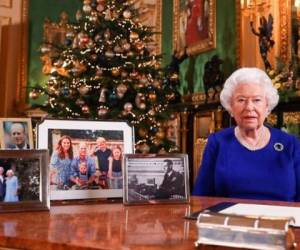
[[104, 66]]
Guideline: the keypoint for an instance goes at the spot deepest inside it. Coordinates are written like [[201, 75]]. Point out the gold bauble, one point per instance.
[[34, 95], [151, 112], [133, 35], [139, 45], [126, 46], [115, 72], [160, 134], [83, 89], [157, 141], [127, 14], [142, 132], [152, 96]]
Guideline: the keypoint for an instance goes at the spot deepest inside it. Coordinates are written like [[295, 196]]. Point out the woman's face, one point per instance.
[[65, 143], [249, 106]]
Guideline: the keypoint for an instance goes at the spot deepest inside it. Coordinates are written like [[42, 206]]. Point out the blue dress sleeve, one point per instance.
[[205, 181], [297, 167], [54, 160]]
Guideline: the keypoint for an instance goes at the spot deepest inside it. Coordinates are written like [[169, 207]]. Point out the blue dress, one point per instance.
[[63, 167], [229, 169], [11, 189]]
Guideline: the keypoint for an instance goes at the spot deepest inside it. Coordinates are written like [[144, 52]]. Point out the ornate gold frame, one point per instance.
[[157, 23], [202, 45], [21, 90]]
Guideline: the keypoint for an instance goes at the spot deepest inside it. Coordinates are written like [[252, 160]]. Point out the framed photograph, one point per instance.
[[173, 130], [24, 180], [156, 178], [86, 157], [194, 25], [16, 133]]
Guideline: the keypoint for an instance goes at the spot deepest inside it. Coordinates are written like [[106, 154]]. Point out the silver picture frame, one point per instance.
[[154, 178], [27, 188]]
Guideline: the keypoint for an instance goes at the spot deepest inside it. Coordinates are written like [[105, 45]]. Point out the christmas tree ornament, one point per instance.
[[99, 72], [83, 89], [127, 14], [118, 49], [112, 98], [102, 96], [121, 90], [157, 141], [79, 102], [109, 54], [126, 46], [115, 72], [133, 36], [100, 7], [51, 90], [65, 91], [142, 132], [107, 34], [34, 94], [87, 1], [78, 15], [128, 107], [174, 77], [152, 96], [85, 109], [162, 151], [160, 134], [87, 8], [144, 148], [108, 15], [124, 73], [151, 112], [102, 110], [139, 45]]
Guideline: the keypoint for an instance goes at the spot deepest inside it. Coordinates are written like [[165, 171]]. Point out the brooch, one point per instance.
[[278, 146]]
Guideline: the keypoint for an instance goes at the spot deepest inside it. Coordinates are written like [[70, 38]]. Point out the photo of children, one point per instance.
[[85, 157], [83, 160]]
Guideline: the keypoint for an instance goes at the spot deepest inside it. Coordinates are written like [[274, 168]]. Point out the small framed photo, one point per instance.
[[24, 180], [156, 178], [16, 133], [86, 157]]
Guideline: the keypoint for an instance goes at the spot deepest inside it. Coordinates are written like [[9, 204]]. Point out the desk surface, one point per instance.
[[109, 226]]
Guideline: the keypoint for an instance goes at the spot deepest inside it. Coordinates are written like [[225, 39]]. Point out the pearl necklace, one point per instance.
[[263, 139]]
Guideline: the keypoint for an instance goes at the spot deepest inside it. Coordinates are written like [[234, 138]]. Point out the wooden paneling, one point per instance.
[[13, 50]]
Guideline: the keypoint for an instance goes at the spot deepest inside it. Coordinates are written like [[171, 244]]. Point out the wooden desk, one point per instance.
[[109, 226]]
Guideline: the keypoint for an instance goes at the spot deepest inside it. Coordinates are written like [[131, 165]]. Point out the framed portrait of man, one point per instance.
[[194, 25], [16, 133]]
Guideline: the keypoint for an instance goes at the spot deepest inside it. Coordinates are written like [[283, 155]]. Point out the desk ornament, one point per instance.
[[263, 233]]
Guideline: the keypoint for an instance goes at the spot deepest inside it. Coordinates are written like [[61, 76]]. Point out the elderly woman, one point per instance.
[[251, 160]]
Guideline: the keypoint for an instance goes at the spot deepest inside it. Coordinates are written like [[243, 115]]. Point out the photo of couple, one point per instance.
[[81, 163]]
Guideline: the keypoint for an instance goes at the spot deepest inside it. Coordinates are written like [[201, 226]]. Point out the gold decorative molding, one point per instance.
[[291, 117], [21, 91], [285, 30], [238, 31]]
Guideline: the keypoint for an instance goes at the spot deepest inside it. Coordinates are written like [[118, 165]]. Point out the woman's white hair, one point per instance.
[[249, 76]]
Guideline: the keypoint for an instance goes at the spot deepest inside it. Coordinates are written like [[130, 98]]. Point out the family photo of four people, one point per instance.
[[98, 167]]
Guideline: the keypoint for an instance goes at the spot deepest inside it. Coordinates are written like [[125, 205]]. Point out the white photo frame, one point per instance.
[[117, 134], [153, 178]]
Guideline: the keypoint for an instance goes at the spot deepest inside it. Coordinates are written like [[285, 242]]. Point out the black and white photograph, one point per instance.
[[156, 178], [23, 180], [86, 157], [16, 133]]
